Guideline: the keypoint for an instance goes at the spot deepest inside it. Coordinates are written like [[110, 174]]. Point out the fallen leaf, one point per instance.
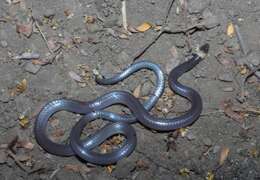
[[254, 152], [68, 13], [243, 70], [227, 106], [25, 29], [184, 172], [183, 131], [110, 168], [54, 122], [89, 19], [123, 36], [210, 176], [24, 144], [21, 86], [141, 164], [144, 27], [230, 30], [75, 76], [137, 91], [223, 155], [24, 121], [57, 134]]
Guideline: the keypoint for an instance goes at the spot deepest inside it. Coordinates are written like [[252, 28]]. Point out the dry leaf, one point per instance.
[[184, 172], [25, 29], [254, 152], [75, 76], [110, 168], [123, 36], [223, 155], [25, 144], [141, 164], [54, 122], [210, 176], [89, 19], [183, 131], [57, 134], [137, 91], [24, 121], [144, 27], [243, 70], [21, 86], [230, 30], [227, 107], [68, 13]]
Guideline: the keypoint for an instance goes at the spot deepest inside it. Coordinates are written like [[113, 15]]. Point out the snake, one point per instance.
[[78, 107], [92, 110]]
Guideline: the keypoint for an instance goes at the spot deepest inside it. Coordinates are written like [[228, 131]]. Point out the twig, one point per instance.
[[43, 36], [241, 41], [168, 11], [167, 30], [55, 172], [12, 155], [251, 73], [124, 14]]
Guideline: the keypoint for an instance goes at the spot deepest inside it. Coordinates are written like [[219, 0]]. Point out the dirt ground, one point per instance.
[[65, 41]]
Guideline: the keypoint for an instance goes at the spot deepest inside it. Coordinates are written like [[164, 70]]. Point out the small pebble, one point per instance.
[[190, 136], [226, 77], [210, 20], [32, 68], [3, 44], [228, 89], [207, 141]]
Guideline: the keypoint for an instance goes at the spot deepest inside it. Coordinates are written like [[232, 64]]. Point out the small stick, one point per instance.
[[43, 36], [12, 155], [241, 41], [168, 11], [124, 14]]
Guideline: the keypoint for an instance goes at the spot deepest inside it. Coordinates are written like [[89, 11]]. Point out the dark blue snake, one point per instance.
[[94, 109]]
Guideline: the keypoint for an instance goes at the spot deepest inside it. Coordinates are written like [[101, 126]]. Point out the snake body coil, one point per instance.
[[93, 110]]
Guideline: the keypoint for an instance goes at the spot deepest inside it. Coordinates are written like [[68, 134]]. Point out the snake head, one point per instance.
[[203, 50]]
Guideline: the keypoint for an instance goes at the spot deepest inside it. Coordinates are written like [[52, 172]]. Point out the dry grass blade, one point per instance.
[[223, 155], [137, 91]]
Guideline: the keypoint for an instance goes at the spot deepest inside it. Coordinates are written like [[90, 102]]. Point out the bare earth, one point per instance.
[[71, 38]]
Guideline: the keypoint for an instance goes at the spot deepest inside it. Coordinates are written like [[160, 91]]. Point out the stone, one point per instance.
[[207, 141], [226, 77], [32, 68], [210, 20]]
